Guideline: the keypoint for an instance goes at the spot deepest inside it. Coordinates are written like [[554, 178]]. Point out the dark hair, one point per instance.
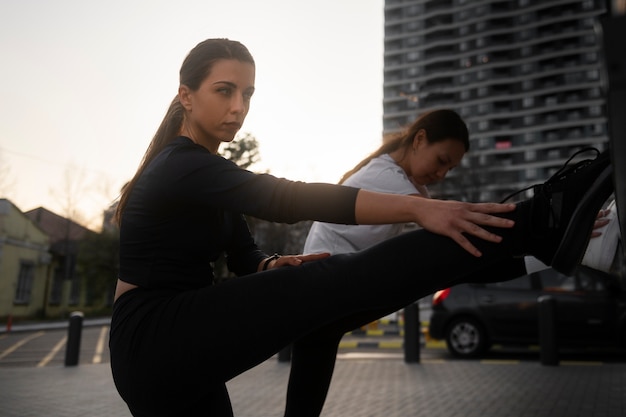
[[439, 125], [195, 68]]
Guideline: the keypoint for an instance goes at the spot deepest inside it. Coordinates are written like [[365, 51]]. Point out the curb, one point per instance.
[[54, 325]]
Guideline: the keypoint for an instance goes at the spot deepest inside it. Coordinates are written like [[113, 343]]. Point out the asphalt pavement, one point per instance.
[[363, 386], [367, 383]]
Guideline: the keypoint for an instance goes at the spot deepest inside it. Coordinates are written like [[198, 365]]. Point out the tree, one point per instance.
[[6, 182], [71, 193], [270, 237], [98, 265], [244, 151]]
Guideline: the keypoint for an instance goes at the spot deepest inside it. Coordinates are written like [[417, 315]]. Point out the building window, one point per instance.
[[588, 5], [527, 51], [591, 57], [413, 56], [595, 92], [75, 291], [413, 26], [598, 129], [25, 283], [56, 291], [484, 143], [413, 71], [414, 10]]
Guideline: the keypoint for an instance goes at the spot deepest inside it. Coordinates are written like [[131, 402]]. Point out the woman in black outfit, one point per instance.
[[184, 207]]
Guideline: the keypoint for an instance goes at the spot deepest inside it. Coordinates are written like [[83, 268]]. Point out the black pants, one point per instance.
[[313, 357], [173, 352]]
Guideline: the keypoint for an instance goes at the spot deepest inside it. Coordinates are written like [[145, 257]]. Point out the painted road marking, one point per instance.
[[97, 357], [22, 342], [52, 353]]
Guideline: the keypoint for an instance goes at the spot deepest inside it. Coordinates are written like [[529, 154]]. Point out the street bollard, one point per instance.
[[74, 331], [547, 331], [412, 331]]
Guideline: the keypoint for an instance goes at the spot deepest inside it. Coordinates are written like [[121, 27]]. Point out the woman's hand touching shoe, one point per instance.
[[456, 219]]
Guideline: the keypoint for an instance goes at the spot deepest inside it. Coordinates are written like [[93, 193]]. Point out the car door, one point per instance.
[[509, 309], [586, 310]]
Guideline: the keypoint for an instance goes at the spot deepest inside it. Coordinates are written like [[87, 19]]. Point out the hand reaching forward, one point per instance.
[[444, 217], [455, 219]]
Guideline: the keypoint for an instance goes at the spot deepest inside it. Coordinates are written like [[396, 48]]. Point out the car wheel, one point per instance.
[[466, 338]]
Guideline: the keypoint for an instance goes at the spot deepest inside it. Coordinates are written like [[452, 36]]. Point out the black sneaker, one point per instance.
[[563, 210], [576, 237]]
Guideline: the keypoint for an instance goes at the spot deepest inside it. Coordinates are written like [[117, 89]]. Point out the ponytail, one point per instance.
[[167, 131]]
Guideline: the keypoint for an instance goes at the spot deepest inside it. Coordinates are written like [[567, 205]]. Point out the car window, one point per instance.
[[521, 283]]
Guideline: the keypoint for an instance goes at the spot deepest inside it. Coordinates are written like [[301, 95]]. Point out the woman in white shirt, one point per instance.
[[404, 164]]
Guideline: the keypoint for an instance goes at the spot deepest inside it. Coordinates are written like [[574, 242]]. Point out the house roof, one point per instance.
[[57, 227]]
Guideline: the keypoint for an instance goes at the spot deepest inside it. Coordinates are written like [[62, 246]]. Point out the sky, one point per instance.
[[84, 85]]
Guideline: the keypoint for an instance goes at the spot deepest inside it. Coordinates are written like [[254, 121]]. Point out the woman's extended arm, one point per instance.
[[447, 218]]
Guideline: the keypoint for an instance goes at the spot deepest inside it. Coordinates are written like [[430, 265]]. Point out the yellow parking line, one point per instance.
[[390, 345], [52, 353], [499, 362], [436, 344], [97, 357], [581, 363], [16, 346], [434, 361]]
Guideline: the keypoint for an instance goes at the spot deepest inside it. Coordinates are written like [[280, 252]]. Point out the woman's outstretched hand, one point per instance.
[[444, 217], [455, 219]]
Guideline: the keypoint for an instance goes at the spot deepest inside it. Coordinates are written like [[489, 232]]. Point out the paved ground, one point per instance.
[[373, 385]]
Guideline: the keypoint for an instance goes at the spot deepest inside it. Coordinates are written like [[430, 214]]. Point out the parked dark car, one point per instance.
[[590, 312]]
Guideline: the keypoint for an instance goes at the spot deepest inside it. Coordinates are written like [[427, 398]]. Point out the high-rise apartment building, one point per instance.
[[524, 74]]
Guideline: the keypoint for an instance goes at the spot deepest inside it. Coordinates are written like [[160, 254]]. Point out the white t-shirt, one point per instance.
[[380, 174]]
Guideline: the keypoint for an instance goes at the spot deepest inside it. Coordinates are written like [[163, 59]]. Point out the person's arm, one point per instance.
[[447, 218]]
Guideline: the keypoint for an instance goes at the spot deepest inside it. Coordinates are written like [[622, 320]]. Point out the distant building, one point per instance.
[[40, 272], [24, 261], [525, 75], [65, 236]]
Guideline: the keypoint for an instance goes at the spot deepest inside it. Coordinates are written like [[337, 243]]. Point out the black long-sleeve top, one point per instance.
[[186, 209]]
